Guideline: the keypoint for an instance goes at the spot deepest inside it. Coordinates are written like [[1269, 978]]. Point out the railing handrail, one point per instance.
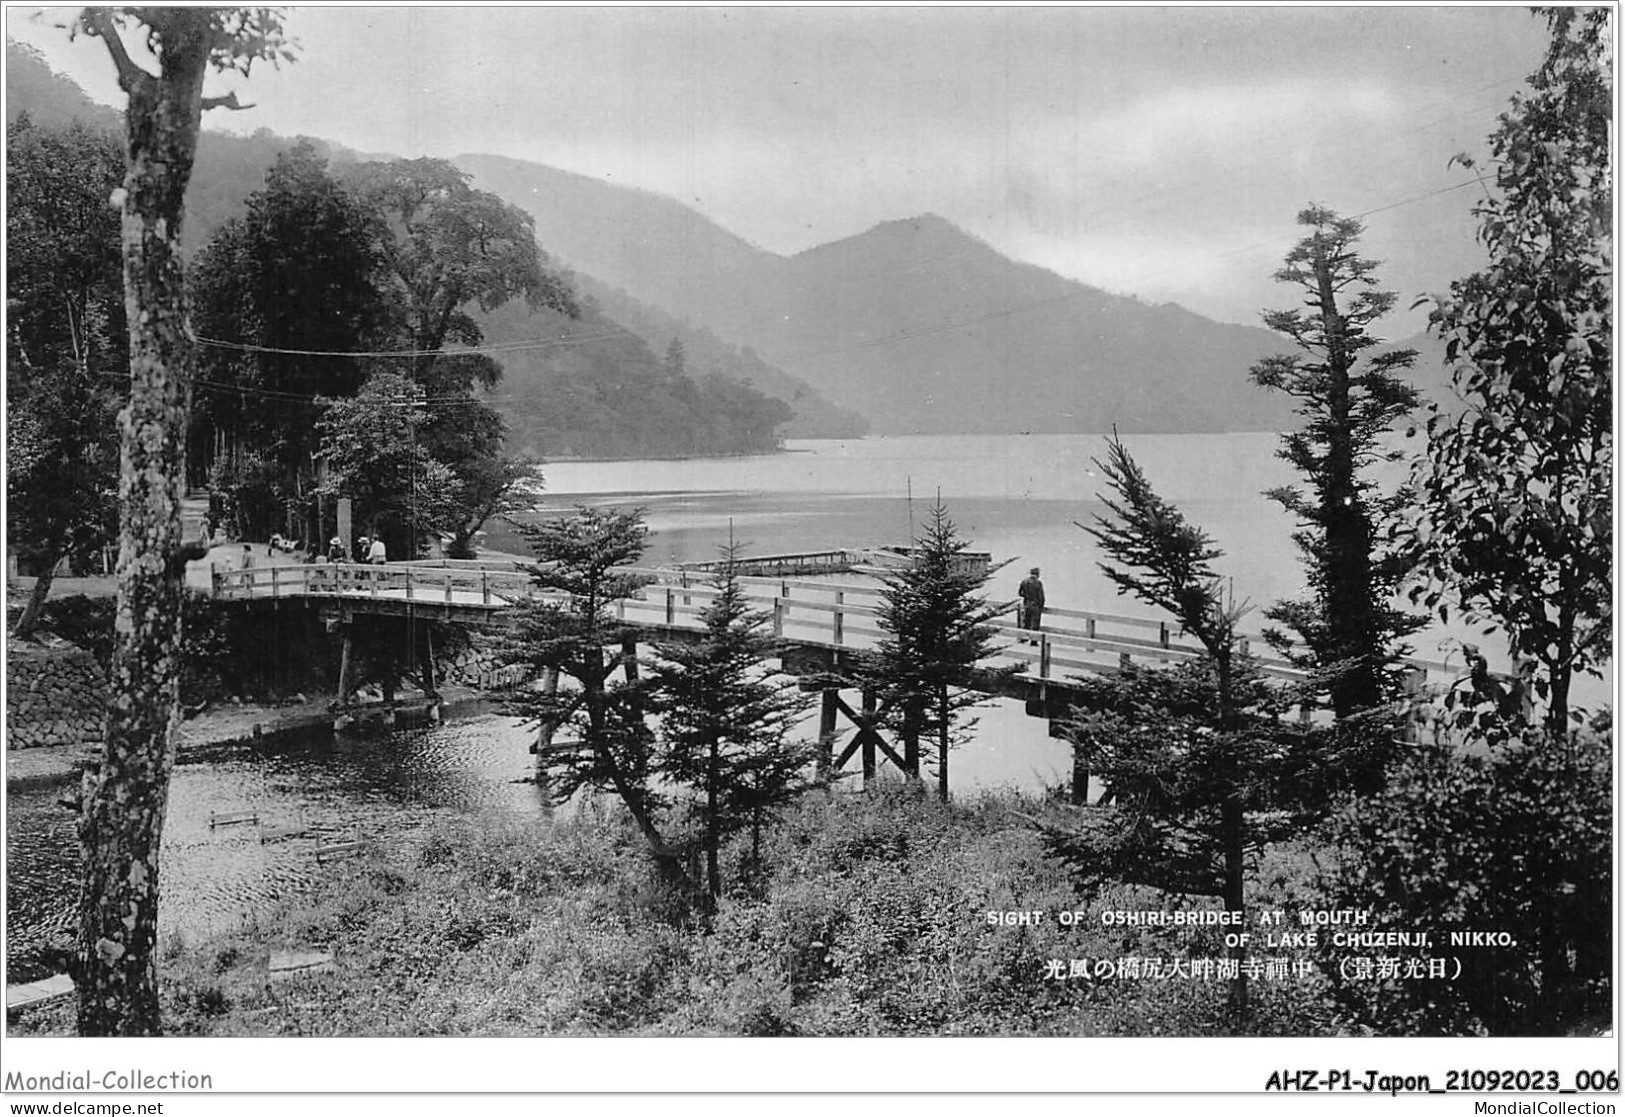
[[439, 585]]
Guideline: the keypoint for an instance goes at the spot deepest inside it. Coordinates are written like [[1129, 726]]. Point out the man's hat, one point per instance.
[[1035, 570]]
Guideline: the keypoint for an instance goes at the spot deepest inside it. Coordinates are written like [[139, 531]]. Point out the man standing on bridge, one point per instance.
[[1031, 613]]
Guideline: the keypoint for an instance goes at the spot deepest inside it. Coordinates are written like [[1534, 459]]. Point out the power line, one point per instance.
[[495, 347], [581, 339], [283, 395]]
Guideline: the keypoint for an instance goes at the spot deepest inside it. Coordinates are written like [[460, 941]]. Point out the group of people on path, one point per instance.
[[371, 551]]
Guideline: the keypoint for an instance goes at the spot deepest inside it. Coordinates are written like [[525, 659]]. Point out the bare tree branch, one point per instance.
[[99, 22]]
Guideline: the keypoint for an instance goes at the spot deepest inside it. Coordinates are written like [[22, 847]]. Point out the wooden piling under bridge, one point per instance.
[[821, 627]]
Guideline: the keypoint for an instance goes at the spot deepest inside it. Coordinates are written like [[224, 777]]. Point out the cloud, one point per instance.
[[1230, 121], [1224, 275]]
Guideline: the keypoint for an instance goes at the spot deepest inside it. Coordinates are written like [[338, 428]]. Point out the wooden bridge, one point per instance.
[[823, 626]]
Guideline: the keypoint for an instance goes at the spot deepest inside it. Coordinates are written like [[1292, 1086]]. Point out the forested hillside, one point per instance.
[[706, 354], [607, 394], [916, 324], [592, 388]]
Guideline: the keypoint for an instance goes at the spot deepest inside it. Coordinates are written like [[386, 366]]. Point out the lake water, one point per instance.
[[1019, 497], [1016, 496], [304, 790]]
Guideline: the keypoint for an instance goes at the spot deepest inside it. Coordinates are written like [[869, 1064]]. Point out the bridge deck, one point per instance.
[[825, 620]]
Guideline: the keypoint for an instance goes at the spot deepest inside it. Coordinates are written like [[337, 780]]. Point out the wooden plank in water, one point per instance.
[[280, 833], [337, 849], [232, 818], [296, 963], [38, 992]]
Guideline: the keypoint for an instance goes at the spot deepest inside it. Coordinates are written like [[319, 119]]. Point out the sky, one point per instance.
[[1157, 151]]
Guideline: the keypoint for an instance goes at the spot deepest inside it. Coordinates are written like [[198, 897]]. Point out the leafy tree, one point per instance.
[[375, 457], [747, 420], [611, 395], [66, 346], [451, 246], [577, 557], [1350, 399], [938, 630], [727, 720], [448, 249], [124, 797], [1515, 521], [676, 362], [279, 294], [1202, 766], [490, 485]]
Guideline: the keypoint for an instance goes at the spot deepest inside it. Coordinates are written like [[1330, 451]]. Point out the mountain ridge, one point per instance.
[[914, 324], [232, 166]]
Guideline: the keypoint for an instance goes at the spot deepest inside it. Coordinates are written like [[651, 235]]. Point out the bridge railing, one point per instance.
[[832, 614], [477, 586], [841, 614]]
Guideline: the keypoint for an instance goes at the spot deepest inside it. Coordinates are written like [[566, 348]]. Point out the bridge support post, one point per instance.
[[1080, 776], [869, 706], [826, 730], [427, 675], [426, 665], [346, 667], [387, 685], [544, 732]]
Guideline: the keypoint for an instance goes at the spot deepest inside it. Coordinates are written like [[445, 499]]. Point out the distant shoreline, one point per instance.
[[591, 459], [584, 459]]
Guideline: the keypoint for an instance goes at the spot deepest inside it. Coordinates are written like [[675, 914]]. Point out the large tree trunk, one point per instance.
[[121, 827], [630, 789]]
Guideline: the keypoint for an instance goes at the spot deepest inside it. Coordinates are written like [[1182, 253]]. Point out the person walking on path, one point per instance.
[[1031, 613]]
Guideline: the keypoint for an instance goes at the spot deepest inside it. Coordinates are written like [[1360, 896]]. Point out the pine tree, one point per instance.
[[938, 629], [1202, 767], [578, 556], [1349, 399], [727, 721]]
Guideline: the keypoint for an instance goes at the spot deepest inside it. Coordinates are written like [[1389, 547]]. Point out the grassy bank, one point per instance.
[[868, 916]]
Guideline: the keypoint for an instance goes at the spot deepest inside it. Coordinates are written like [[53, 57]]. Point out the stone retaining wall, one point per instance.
[[477, 666], [54, 696]]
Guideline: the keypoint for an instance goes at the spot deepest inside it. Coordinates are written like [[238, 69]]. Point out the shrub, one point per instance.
[[1516, 839], [85, 621]]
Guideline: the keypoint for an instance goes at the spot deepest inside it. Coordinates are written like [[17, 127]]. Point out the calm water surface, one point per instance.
[[306, 790]]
